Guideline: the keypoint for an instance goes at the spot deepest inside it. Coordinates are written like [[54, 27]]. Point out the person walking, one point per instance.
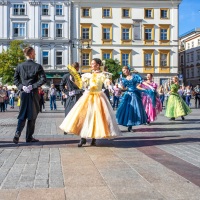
[[70, 91], [28, 77], [161, 93], [2, 99], [176, 107], [116, 96], [6, 100], [12, 98], [197, 96], [41, 93], [92, 116], [52, 96], [188, 95]]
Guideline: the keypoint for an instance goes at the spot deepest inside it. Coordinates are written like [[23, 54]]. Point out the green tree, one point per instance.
[[9, 59], [113, 67]]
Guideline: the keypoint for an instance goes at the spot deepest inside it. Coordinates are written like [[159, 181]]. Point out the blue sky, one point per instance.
[[189, 15]]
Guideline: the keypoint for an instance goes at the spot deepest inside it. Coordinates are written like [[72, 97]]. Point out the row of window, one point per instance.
[[193, 44], [126, 31], [190, 73], [86, 31], [20, 9], [148, 57], [19, 30], [190, 57], [126, 13]]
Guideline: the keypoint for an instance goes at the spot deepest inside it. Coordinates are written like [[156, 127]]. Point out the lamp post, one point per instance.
[[80, 45]]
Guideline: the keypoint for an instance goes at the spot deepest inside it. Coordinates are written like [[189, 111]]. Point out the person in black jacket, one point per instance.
[[28, 77], [70, 91]]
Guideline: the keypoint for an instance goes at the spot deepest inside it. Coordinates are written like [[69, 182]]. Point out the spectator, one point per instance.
[[197, 96], [2, 99], [116, 95], [12, 98], [52, 96], [41, 102]]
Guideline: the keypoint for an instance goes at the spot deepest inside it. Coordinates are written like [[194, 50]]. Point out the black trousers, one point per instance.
[[29, 128]]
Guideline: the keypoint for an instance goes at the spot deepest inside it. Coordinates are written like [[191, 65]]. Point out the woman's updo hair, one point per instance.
[[28, 50], [98, 61], [126, 67], [150, 74], [75, 65], [176, 78]]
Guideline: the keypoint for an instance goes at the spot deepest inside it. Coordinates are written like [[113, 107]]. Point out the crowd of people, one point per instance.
[[87, 100]]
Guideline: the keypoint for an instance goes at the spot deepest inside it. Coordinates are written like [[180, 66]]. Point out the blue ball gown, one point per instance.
[[131, 110]]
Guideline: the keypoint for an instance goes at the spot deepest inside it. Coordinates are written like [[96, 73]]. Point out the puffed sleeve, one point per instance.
[[85, 79], [138, 78]]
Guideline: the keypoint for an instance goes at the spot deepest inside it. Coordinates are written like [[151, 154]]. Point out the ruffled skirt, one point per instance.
[[150, 110], [176, 107], [131, 110], [91, 117]]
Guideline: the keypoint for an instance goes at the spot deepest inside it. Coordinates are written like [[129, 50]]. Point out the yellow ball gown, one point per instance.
[[92, 116]]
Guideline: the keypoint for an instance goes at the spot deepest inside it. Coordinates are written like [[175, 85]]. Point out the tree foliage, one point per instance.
[[113, 67], [9, 59]]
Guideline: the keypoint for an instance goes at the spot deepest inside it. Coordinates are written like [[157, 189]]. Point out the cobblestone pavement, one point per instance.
[[156, 162]]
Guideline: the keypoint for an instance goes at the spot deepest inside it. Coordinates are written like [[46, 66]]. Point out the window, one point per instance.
[[126, 57], [18, 29], [85, 59], [45, 30], [192, 44], [164, 61], [85, 12], [148, 13], [188, 73], [107, 33], [59, 30], [164, 13], [85, 33], [198, 42], [192, 72], [45, 58], [198, 55], [106, 12], [192, 57], [148, 60], [125, 34], [45, 10], [181, 59], [86, 30], [148, 34], [59, 10], [59, 57], [188, 45], [188, 57], [106, 54], [198, 72], [125, 13], [19, 9], [163, 34]]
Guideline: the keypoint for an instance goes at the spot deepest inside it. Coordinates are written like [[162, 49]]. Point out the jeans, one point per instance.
[[115, 101], [53, 102], [188, 97], [162, 98], [12, 102]]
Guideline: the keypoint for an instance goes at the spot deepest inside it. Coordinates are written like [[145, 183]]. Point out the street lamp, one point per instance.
[[80, 44]]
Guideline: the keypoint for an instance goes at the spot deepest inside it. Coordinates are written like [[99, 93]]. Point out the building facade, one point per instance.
[[189, 57], [142, 34], [139, 33], [45, 25]]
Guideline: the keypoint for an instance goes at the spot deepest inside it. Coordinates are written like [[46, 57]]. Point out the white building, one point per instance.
[[189, 57], [43, 24], [141, 33]]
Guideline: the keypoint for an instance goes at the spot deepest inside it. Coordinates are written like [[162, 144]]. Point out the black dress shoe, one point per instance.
[[182, 117], [129, 128], [32, 140], [65, 133], [82, 141], [16, 140], [93, 143], [172, 119]]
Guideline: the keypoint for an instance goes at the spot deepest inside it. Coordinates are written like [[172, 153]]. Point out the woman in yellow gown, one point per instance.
[[92, 116]]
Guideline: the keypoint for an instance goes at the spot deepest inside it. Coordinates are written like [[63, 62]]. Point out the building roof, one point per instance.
[[194, 30]]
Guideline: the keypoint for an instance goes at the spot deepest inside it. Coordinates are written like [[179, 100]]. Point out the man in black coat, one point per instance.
[[28, 77], [71, 92]]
